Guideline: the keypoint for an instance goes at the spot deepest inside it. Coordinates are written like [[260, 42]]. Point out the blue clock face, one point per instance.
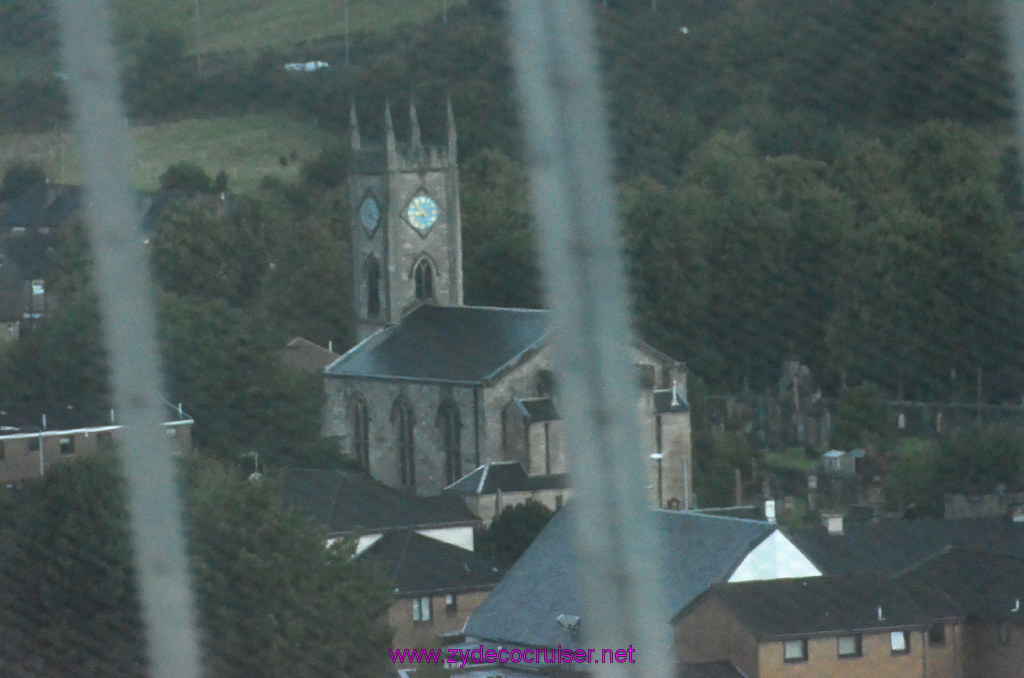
[[422, 213], [369, 214]]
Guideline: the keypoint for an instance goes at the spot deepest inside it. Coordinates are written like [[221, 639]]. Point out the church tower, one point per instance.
[[405, 226]]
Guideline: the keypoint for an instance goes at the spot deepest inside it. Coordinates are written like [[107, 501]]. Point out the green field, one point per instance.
[[247, 148], [253, 24]]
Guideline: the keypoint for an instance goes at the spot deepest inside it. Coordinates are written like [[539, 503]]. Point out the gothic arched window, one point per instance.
[[451, 440], [424, 276], [359, 425], [372, 287], [403, 422]]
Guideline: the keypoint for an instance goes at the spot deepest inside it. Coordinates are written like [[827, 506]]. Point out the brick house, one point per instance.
[[352, 504], [31, 444], [436, 586], [853, 627]]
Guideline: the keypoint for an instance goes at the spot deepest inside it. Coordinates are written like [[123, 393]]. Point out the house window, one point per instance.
[[2, 454], [33, 444], [795, 650], [558, 501], [1004, 632], [849, 646], [104, 439], [359, 424], [402, 419], [899, 641], [171, 432], [936, 634], [67, 445], [424, 275], [372, 287], [451, 434], [451, 606], [421, 609]]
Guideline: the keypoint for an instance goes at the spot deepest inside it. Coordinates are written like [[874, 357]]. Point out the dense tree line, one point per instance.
[[272, 600]]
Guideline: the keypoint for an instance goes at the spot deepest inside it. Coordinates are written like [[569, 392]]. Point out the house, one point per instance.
[[491, 488], [890, 547], [305, 356], [989, 588], [849, 627], [435, 388], [525, 609], [351, 504], [436, 585], [30, 444]]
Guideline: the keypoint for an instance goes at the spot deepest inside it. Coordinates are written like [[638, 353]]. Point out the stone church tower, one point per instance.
[[405, 225]]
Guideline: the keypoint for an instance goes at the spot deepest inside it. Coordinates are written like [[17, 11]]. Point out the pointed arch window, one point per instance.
[[404, 423], [424, 276], [359, 425], [372, 287], [450, 426]]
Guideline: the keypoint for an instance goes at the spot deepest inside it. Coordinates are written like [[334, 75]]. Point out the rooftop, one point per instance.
[[345, 502], [418, 564]]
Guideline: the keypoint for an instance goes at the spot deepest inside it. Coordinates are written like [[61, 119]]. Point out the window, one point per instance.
[[451, 605], [795, 650], [421, 609], [1004, 632], [558, 501], [451, 439], [402, 419], [2, 450], [67, 445], [424, 275], [33, 444], [849, 646], [171, 432], [372, 287], [359, 425], [936, 634], [900, 642], [104, 439]]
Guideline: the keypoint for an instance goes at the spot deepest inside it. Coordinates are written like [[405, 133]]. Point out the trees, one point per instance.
[[272, 599], [513, 531]]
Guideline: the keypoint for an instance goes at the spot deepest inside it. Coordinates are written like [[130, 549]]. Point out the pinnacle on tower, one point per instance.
[[414, 124], [453, 136], [389, 134], [353, 123]]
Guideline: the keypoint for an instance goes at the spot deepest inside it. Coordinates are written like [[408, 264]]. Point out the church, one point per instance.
[[435, 390]]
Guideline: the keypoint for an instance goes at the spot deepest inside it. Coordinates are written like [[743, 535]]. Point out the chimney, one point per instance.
[[769, 511], [833, 522]]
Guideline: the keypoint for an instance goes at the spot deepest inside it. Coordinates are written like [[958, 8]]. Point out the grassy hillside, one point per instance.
[[246, 148], [254, 24]]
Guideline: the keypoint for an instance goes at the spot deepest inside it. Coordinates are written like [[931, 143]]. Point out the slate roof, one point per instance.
[[303, 354], [539, 409], [786, 608], [663, 402], [890, 547], [43, 205], [449, 344], [697, 550], [507, 476], [985, 585], [420, 565], [345, 502]]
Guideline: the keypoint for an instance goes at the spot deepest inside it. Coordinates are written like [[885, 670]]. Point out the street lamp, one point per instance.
[[658, 456]]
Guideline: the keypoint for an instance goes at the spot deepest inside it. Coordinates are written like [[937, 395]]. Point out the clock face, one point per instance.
[[369, 214], [422, 213]]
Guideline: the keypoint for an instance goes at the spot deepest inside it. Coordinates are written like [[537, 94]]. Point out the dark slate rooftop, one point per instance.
[[781, 608], [507, 476], [697, 551], [303, 354], [419, 565], [986, 585], [539, 409], [890, 547], [664, 402], [43, 205], [345, 502], [453, 344]]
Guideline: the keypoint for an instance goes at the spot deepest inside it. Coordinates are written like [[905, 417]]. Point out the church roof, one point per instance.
[[451, 344], [303, 354], [506, 476]]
